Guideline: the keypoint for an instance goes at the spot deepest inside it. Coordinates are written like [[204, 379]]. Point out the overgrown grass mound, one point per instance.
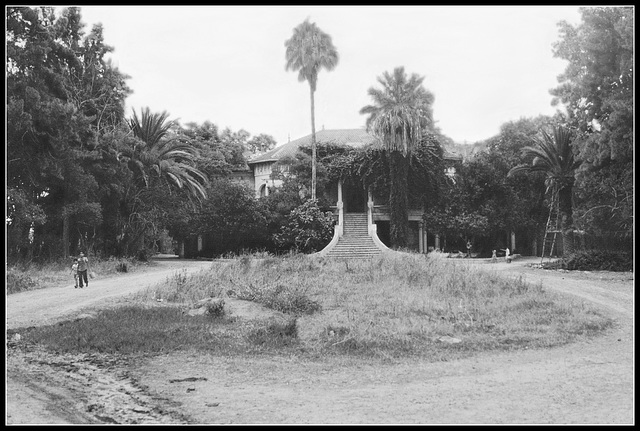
[[397, 305]]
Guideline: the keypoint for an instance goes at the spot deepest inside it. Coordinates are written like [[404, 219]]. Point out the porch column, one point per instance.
[[438, 241], [420, 237], [340, 209], [369, 207], [425, 241], [513, 241]]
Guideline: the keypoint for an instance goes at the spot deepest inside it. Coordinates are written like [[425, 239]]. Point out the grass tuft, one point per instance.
[[396, 305]]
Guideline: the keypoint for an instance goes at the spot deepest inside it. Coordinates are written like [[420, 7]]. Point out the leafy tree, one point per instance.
[[554, 157], [61, 95], [401, 112], [294, 170], [597, 90], [308, 51], [479, 203], [22, 215], [235, 144], [231, 218], [261, 143], [308, 228], [212, 157]]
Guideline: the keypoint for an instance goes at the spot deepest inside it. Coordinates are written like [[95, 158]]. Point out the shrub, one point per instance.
[[599, 260], [308, 228], [276, 334], [19, 282], [215, 309]]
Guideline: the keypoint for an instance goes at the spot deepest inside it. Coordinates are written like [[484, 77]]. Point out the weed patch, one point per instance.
[[138, 330], [275, 334], [396, 305]]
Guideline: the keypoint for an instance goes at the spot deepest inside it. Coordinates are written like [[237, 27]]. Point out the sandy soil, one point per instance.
[[587, 382]]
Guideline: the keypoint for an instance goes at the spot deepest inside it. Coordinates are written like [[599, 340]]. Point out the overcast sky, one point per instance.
[[486, 65]]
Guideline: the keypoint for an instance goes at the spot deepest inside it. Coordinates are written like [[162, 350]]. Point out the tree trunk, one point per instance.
[[398, 202], [65, 234], [313, 146], [565, 207]]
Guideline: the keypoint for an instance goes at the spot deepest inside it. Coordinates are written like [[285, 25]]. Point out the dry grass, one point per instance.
[[397, 305]]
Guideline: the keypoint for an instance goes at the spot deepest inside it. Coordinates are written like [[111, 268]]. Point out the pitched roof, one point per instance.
[[352, 137]]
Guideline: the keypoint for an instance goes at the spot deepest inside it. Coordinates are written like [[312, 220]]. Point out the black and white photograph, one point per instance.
[[319, 215]]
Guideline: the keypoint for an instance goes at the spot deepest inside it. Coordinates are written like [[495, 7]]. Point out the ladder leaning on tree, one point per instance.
[[553, 228]]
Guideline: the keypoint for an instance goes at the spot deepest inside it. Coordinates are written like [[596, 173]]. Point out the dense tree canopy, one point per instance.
[[63, 99], [597, 90], [553, 156], [81, 175]]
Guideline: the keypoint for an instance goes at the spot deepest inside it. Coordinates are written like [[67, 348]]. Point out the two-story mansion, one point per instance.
[[352, 203]]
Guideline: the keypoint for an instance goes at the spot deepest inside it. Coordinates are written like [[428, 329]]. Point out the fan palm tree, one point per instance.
[[169, 159], [553, 156], [401, 112], [308, 51]]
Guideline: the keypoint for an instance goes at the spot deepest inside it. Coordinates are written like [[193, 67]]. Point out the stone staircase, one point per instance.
[[355, 243]]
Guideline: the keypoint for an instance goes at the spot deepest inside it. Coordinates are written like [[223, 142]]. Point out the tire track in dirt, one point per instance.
[[44, 388]]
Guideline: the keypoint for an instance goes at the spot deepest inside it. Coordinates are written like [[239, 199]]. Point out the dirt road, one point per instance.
[[588, 382], [35, 392]]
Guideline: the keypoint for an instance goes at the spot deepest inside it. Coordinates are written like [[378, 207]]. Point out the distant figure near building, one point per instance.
[[507, 255], [468, 248], [74, 271], [83, 268], [494, 257]]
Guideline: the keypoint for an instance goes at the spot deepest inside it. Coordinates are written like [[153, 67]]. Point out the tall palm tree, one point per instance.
[[170, 159], [308, 51], [401, 112], [553, 156]]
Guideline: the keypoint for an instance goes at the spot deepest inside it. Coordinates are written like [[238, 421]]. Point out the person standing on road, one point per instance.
[[74, 271], [507, 256], [468, 248], [83, 268]]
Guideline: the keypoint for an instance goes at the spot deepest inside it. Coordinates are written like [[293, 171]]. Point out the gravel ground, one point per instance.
[[587, 382]]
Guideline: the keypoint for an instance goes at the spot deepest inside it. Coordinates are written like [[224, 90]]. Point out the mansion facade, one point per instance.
[[348, 199], [351, 202]]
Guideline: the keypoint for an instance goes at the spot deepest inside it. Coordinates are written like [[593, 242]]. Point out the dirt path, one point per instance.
[[37, 393], [588, 382]]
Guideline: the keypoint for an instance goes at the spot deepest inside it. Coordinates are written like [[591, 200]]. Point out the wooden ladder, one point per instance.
[[553, 228]]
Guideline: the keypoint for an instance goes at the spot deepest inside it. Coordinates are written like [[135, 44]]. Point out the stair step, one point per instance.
[[355, 242]]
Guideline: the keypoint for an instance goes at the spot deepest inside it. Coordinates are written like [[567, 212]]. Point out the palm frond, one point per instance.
[[308, 51], [401, 110], [552, 155]]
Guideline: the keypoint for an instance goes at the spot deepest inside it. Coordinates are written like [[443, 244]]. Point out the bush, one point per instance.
[[599, 260], [276, 334], [215, 309], [18, 282], [308, 229]]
